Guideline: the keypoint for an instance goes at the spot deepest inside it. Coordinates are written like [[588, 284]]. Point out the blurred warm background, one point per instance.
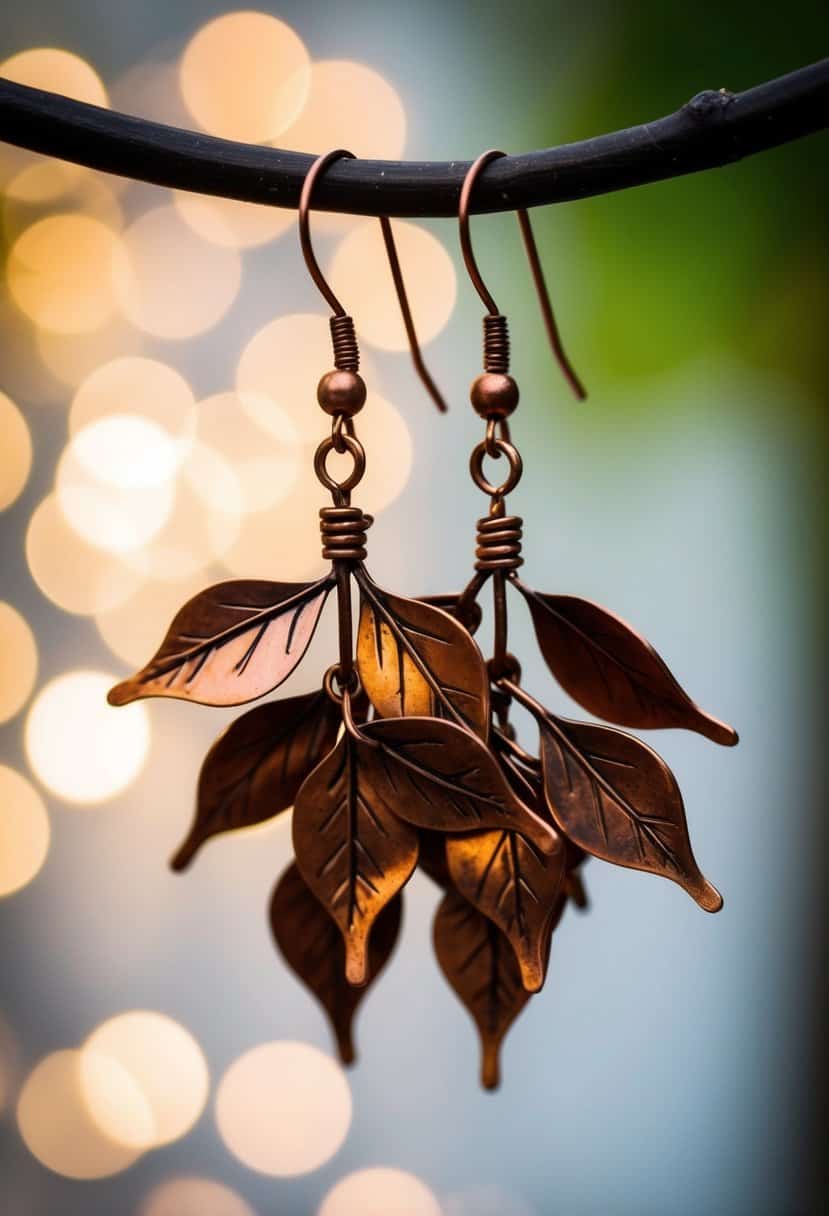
[[159, 358]]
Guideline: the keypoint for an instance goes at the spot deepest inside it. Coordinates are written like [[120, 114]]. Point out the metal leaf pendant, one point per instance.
[[517, 887], [480, 966], [415, 660], [611, 670], [435, 775], [254, 770], [352, 850], [231, 644], [613, 796], [312, 946]]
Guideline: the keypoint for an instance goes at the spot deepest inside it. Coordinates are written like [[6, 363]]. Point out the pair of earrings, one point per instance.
[[407, 754]]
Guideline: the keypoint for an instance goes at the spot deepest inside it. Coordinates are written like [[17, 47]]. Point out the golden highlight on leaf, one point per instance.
[[352, 851], [415, 660], [517, 887]]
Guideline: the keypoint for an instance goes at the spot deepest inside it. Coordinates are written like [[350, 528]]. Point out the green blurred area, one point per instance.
[[728, 260]]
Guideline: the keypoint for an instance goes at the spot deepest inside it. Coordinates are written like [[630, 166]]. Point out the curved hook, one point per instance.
[[319, 166], [531, 249]]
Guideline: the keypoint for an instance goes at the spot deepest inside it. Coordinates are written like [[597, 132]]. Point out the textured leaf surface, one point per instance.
[[312, 946], [415, 660], [352, 851], [480, 966], [517, 887], [232, 643], [616, 798], [611, 670], [254, 770], [439, 776]]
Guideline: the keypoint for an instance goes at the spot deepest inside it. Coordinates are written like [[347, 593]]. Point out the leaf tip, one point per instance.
[[532, 974], [121, 694], [490, 1065], [356, 962], [719, 732], [709, 898], [184, 855], [345, 1046]]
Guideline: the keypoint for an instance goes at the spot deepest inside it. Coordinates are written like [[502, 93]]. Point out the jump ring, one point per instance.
[[332, 676], [358, 455], [476, 468]]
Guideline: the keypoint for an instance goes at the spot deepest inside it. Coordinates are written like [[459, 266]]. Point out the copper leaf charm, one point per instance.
[[354, 854], [436, 775], [515, 886], [613, 796], [480, 966], [230, 644], [312, 946], [611, 670], [416, 660], [254, 770]]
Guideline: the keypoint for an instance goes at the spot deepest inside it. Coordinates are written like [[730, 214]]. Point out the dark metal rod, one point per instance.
[[713, 129]]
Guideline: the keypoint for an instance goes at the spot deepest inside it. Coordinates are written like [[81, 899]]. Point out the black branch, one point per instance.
[[713, 129]]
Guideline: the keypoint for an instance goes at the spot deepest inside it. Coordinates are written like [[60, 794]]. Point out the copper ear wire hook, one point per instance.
[[319, 166], [535, 267]]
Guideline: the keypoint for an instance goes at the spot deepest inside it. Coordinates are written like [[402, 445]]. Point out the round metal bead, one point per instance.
[[341, 392], [494, 395]]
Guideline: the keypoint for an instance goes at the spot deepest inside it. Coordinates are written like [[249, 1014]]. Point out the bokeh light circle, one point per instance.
[[18, 661], [57, 1126], [203, 522], [58, 71], [117, 518], [171, 283], [15, 452], [58, 185], [126, 451], [133, 384], [167, 1066], [24, 831], [290, 542], [78, 746], [350, 106], [61, 271], [134, 629], [42, 181], [245, 76], [266, 462], [380, 1192], [75, 575], [284, 1108], [194, 1197], [73, 358], [359, 272], [229, 222]]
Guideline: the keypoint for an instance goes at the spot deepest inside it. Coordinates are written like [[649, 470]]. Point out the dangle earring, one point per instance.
[[393, 745], [604, 792]]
